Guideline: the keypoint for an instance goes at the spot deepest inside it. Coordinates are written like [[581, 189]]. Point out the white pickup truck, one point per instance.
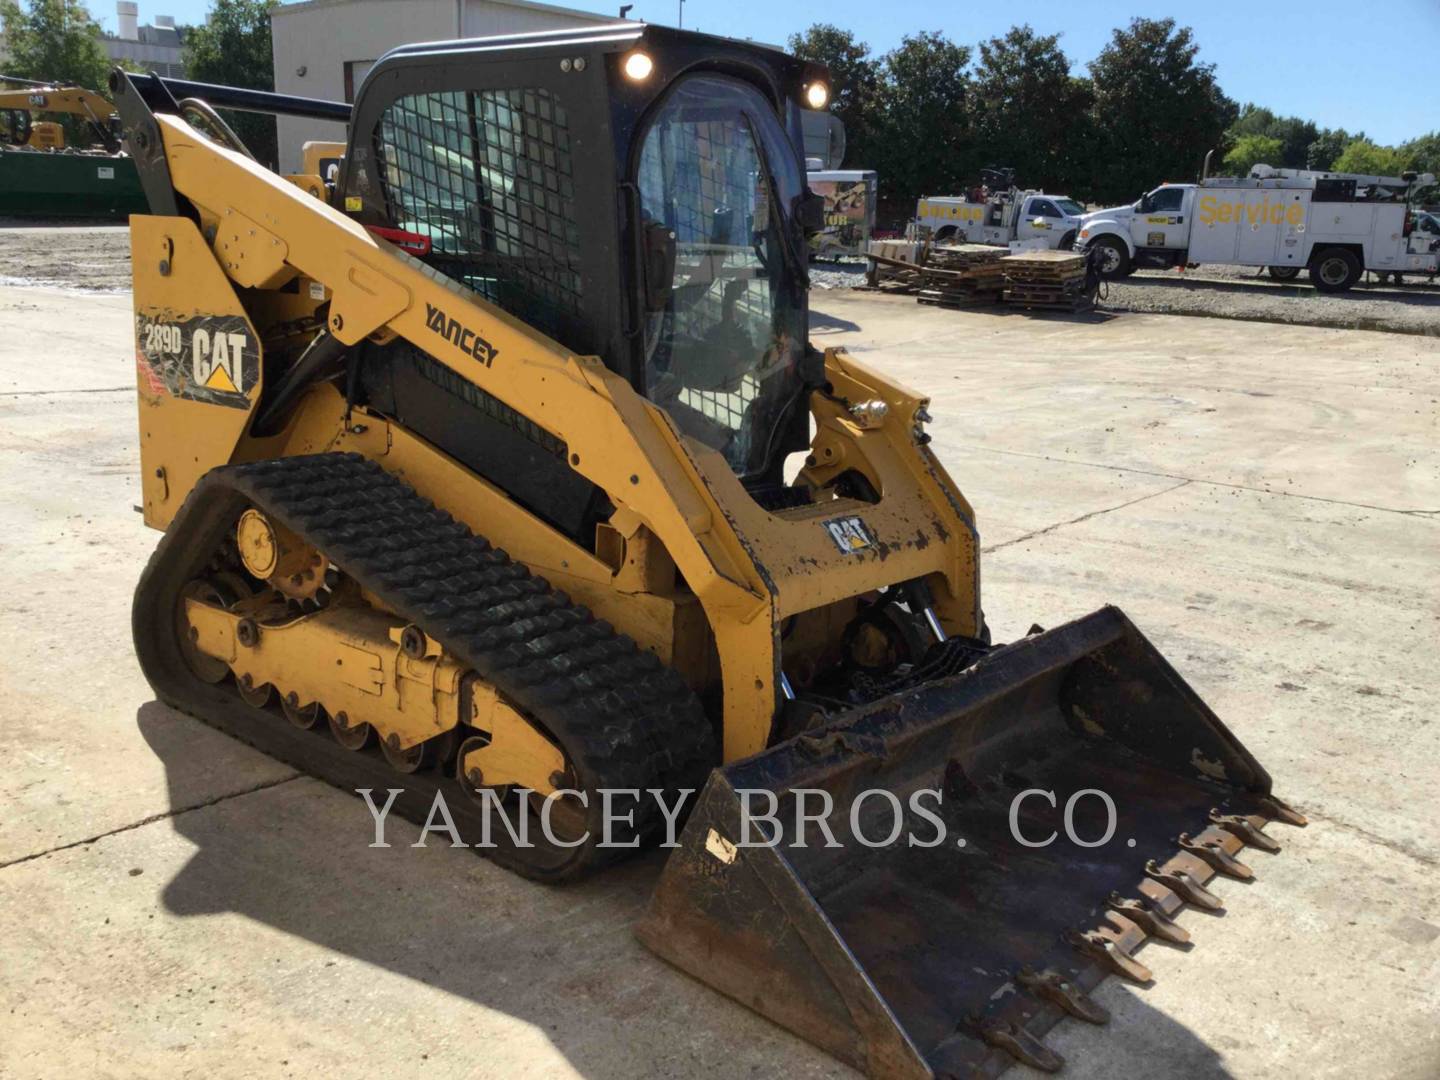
[[1336, 225], [1051, 221]]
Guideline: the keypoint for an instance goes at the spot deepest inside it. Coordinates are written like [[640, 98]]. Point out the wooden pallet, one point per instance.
[[957, 297], [962, 275], [1044, 268], [1069, 296], [964, 257]]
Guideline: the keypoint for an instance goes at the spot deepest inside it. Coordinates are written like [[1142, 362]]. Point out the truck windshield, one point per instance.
[[1070, 207], [724, 336]]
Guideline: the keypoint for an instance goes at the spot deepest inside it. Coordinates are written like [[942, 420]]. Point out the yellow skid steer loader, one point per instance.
[[470, 451]]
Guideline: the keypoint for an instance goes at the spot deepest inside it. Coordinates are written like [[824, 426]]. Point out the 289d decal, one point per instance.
[[210, 358]]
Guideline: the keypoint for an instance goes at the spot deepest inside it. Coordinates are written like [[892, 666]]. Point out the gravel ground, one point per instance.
[[1236, 292], [837, 275], [91, 257], [97, 258]]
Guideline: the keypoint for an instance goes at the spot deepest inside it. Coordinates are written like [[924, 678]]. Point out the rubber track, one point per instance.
[[624, 719]]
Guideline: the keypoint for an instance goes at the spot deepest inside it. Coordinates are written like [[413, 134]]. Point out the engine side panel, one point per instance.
[[198, 361]]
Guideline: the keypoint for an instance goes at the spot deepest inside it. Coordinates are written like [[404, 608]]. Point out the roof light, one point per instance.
[[638, 66], [817, 95]]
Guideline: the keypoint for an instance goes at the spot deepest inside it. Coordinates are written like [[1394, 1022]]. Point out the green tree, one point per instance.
[[54, 41], [855, 84], [1294, 134], [1423, 154], [233, 49], [925, 143], [1029, 113], [1157, 108], [1364, 156], [1327, 147], [1252, 150]]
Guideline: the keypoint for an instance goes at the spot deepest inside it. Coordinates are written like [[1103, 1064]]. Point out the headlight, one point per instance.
[[817, 95], [638, 66]]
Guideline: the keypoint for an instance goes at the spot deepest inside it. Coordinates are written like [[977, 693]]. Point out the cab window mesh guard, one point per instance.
[[486, 175]]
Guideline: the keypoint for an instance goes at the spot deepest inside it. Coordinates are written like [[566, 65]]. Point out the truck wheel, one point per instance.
[[1335, 270], [1067, 242], [1114, 259], [1284, 273]]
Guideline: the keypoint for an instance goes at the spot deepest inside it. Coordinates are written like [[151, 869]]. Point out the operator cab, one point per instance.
[[635, 192]]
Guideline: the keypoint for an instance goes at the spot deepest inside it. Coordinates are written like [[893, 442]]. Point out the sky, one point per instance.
[[1372, 67]]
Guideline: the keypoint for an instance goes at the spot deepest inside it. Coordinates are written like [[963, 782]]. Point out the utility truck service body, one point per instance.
[[1051, 220], [1335, 225]]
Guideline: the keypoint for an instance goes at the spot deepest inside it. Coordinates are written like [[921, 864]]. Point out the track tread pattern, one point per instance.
[[625, 719]]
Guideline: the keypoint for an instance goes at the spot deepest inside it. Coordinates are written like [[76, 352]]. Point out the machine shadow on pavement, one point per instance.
[[821, 323], [295, 856]]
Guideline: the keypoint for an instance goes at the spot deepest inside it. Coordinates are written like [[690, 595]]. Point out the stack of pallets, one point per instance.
[[895, 265], [962, 274], [1046, 279]]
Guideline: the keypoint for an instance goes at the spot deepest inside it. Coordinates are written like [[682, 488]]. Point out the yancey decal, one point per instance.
[[209, 358], [462, 336], [849, 533]]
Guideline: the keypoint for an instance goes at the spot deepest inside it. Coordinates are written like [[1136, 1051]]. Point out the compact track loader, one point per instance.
[[469, 444]]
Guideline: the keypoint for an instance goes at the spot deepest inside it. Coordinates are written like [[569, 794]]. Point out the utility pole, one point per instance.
[[681, 22]]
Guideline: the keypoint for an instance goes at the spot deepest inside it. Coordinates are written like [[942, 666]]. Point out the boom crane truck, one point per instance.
[[470, 468], [1336, 226], [999, 213]]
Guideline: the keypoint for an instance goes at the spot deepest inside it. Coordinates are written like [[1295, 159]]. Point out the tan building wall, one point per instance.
[[324, 48]]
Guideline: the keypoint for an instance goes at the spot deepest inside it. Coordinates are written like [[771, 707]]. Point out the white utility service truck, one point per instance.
[[1336, 225], [1000, 217]]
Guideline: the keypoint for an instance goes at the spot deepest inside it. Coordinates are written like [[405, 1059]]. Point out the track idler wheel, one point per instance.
[[420, 756], [206, 668], [354, 736], [253, 693], [305, 717]]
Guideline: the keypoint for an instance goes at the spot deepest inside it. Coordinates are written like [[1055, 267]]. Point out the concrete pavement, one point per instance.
[[1262, 500]]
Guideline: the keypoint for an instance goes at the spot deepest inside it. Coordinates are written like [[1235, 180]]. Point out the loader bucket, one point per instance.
[[953, 960]]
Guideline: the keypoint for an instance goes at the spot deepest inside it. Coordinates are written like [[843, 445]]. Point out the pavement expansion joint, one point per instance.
[[1199, 480], [1086, 517], [151, 819]]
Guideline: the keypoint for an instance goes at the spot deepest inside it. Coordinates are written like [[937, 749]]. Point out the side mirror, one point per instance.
[[811, 212]]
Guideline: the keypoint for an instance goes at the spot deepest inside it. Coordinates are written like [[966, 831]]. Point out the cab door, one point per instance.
[[1039, 220], [1162, 221]]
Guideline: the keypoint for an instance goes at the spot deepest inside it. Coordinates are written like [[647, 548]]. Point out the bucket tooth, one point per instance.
[[1210, 850], [1184, 886], [1273, 807], [1154, 922], [1108, 952], [1244, 829], [1017, 1042], [1053, 987]]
